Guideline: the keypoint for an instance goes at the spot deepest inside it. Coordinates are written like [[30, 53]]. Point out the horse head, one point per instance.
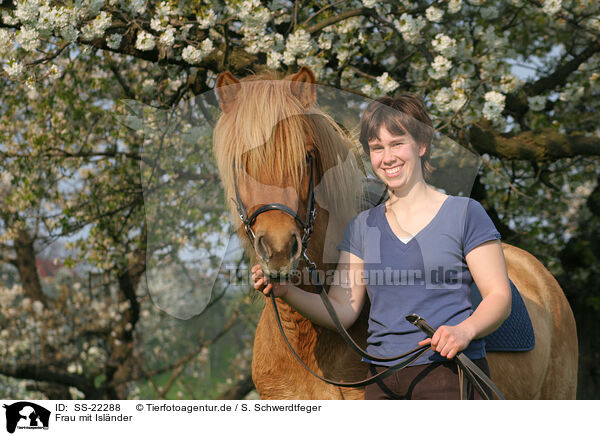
[[268, 142]]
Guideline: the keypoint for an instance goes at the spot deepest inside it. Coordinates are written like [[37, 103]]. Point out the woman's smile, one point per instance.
[[394, 171]]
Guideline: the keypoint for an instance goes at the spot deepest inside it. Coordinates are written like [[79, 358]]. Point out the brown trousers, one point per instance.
[[433, 381]]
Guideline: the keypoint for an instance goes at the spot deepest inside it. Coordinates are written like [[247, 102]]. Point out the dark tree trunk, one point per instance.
[[26, 265]]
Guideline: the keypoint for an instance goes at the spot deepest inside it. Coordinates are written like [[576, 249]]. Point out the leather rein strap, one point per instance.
[[466, 367]]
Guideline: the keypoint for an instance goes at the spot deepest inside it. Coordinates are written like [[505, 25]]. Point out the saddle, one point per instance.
[[516, 332]]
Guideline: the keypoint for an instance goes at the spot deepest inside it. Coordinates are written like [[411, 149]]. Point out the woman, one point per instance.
[[416, 253]]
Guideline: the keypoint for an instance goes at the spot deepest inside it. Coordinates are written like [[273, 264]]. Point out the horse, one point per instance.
[[267, 128]]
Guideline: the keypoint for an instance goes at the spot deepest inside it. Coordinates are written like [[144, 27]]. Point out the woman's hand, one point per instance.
[[261, 283], [449, 340]]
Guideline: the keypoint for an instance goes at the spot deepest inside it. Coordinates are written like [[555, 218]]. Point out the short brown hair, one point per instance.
[[399, 115]]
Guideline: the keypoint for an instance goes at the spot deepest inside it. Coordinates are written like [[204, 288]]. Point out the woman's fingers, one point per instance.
[[425, 342], [268, 289], [262, 283], [259, 282]]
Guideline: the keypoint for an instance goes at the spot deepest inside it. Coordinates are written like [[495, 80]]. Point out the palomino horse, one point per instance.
[[261, 143]]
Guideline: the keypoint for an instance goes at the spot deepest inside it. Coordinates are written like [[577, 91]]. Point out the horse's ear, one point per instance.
[[228, 88], [303, 87]]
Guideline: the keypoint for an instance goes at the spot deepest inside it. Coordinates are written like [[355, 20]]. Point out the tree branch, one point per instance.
[[560, 75], [45, 374], [238, 391], [516, 103], [543, 145], [340, 17]]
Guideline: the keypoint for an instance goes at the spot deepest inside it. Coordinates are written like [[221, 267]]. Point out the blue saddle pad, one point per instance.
[[516, 332]]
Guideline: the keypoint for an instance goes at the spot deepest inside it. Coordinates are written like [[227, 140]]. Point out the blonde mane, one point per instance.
[[265, 136]]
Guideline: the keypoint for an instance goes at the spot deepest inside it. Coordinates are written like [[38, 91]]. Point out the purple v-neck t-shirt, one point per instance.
[[428, 275]]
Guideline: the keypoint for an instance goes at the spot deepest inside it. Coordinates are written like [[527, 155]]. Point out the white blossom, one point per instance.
[[367, 89], [342, 55], [191, 55], [253, 15], [551, 7], [386, 84], [537, 103], [54, 72], [168, 37], [283, 18], [410, 27], [5, 40], [434, 14], [489, 12], [444, 45], [136, 7], [316, 64], [165, 9], [571, 92], [454, 6], [14, 69], [114, 40], [69, 33], [156, 24], [145, 41], [148, 85], [207, 20], [27, 10], [6, 178], [26, 303], [508, 83], [38, 306], [29, 38], [97, 27], [10, 19], [459, 83], [458, 101], [53, 19], [325, 40], [369, 3], [449, 100], [298, 43], [207, 46], [349, 25], [274, 59], [494, 105], [440, 67], [92, 7]]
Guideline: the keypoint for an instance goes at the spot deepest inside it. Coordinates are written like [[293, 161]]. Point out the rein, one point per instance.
[[465, 366]]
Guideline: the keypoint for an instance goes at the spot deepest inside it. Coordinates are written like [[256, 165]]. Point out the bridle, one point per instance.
[[465, 366], [307, 225]]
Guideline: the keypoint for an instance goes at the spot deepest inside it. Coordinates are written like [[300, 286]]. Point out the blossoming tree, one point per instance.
[[514, 80]]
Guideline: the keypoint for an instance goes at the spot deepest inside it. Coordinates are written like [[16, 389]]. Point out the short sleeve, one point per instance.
[[479, 227], [352, 241]]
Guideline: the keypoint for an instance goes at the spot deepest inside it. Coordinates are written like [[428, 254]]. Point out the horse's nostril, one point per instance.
[[262, 248], [295, 248]]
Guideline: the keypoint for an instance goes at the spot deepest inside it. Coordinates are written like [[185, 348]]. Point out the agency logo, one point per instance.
[[26, 415]]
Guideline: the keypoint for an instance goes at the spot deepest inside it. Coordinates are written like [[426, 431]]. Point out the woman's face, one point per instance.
[[396, 159]]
